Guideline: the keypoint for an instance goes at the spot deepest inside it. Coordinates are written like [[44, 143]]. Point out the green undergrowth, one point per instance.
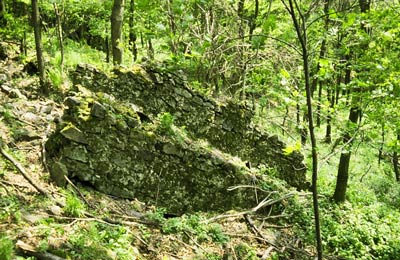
[[194, 225], [367, 225], [74, 53], [6, 248]]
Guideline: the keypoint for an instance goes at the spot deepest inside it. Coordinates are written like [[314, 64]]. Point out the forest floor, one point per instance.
[[79, 223]]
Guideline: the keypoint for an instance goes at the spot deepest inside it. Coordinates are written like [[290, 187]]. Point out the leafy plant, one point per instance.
[[6, 248], [192, 225], [166, 123], [8, 206], [245, 252], [157, 216], [73, 206], [55, 77], [99, 241]]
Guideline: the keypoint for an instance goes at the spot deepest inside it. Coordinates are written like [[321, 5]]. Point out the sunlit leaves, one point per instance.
[[292, 148]]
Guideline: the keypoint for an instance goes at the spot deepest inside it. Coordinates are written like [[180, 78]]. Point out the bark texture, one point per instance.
[[117, 17]]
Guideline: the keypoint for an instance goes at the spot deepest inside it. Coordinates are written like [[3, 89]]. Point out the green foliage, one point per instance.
[[6, 248], [99, 241], [292, 148], [216, 233], [74, 207], [157, 216], [364, 232], [55, 77], [245, 252], [193, 225], [166, 123], [9, 206]]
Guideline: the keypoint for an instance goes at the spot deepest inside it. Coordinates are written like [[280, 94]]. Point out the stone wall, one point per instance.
[[116, 136], [225, 125], [106, 144]]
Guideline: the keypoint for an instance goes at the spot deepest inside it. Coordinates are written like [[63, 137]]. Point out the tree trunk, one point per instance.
[[319, 103], [172, 27], [150, 49], [303, 129], [354, 117], [107, 47], [117, 17], [242, 62], [343, 170], [396, 161], [331, 99], [23, 47], [60, 36], [380, 153], [300, 26], [2, 12], [253, 21], [322, 53], [365, 5], [132, 34], [38, 43]]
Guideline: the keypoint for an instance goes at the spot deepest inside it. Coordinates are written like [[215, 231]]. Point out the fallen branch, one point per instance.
[[22, 170], [267, 252], [249, 186], [264, 203], [4, 186], [254, 228], [29, 250]]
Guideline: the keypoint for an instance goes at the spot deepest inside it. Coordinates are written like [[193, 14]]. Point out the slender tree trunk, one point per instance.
[[38, 44], [337, 94], [150, 49], [328, 131], [132, 34], [319, 103], [323, 49], [322, 53], [172, 27], [23, 44], [60, 36], [117, 17], [300, 26], [331, 99], [284, 119], [297, 114], [22, 47], [253, 21], [380, 154], [303, 129], [107, 47], [3, 21], [396, 160], [242, 61]]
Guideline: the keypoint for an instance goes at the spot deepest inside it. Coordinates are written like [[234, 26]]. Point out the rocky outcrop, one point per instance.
[[225, 125]]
